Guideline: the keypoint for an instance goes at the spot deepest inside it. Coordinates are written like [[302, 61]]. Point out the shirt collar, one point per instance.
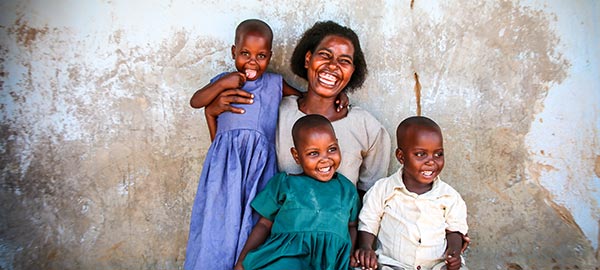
[[398, 184]]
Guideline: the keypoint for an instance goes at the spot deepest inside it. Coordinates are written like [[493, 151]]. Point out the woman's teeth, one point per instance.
[[327, 78]]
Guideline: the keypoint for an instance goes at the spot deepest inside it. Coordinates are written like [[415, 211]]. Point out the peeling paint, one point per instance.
[[101, 152]]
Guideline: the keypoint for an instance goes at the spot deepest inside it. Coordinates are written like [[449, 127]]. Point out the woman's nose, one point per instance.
[[333, 63]]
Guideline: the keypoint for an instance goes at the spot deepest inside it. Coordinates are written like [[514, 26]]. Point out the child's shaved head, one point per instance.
[[307, 123], [254, 26], [406, 126]]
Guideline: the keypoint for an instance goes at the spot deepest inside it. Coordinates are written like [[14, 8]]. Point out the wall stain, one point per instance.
[[26, 35], [418, 94], [597, 166]]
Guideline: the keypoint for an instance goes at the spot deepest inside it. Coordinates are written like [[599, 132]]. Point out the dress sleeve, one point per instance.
[[268, 202], [356, 205], [376, 158]]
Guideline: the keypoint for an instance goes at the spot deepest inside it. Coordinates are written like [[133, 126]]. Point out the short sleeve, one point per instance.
[[268, 202], [373, 209], [214, 79], [456, 216], [356, 205]]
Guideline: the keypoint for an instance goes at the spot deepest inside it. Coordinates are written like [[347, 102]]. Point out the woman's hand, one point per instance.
[[222, 103]]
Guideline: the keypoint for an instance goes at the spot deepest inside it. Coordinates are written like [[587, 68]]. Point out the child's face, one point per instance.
[[422, 154], [318, 153], [252, 55]]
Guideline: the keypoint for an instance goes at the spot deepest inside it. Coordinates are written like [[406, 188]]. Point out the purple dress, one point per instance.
[[239, 163]]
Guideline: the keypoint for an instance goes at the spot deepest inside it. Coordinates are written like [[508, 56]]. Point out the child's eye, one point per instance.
[[333, 149], [439, 154], [313, 154], [261, 56], [420, 154], [245, 54]]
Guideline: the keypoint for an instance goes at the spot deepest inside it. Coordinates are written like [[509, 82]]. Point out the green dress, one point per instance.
[[310, 223]]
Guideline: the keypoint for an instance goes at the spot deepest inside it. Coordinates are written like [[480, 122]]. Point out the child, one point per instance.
[[308, 221], [418, 219], [242, 157]]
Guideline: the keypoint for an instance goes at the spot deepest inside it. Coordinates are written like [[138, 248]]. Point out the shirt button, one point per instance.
[[419, 240]]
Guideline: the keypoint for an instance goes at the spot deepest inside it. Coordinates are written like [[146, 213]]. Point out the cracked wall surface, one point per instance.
[[101, 152]]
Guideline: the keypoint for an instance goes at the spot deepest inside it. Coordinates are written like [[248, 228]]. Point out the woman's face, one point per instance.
[[330, 67]]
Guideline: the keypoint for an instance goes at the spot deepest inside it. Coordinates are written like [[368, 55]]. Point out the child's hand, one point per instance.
[[466, 242], [365, 258], [452, 261], [342, 102], [233, 80]]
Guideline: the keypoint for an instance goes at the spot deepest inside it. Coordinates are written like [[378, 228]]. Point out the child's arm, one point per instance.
[[288, 90], [209, 92], [452, 255], [364, 254], [257, 237], [352, 229]]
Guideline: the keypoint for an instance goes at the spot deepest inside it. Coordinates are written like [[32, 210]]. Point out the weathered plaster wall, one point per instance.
[[100, 151]]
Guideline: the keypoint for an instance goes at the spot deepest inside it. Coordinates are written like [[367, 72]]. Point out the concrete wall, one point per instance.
[[101, 153]]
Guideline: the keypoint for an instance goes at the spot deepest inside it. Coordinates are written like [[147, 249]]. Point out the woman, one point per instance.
[[330, 58]]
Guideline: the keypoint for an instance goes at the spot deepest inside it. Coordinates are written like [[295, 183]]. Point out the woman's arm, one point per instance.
[[205, 95], [222, 103], [257, 237]]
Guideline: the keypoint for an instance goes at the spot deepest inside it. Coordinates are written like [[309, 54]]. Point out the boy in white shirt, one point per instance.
[[418, 220]]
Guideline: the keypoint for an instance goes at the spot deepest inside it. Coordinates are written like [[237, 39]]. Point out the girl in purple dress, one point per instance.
[[241, 158]]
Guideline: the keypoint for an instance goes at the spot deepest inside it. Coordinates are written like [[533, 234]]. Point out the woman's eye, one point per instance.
[[346, 61], [324, 54]]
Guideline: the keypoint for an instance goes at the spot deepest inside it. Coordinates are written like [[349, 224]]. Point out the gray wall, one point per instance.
[[101, 153]]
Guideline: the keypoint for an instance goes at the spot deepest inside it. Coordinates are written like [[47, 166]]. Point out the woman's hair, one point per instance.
[[311, 39]]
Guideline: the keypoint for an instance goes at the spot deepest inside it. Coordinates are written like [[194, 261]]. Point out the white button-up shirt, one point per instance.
[[411, 228]]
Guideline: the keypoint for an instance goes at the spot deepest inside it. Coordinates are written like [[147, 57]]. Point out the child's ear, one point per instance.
[[307, 59], [232, 51], [295, 154], [400, 156]]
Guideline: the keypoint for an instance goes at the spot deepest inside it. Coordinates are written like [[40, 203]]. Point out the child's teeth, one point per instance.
[[326, 169]]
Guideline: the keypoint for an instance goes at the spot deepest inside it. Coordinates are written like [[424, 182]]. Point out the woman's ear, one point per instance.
[[400, 156], [232, 51], [295, 154], [307, 57]]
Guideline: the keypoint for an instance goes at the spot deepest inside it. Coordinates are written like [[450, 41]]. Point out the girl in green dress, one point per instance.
[[308, 221]]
